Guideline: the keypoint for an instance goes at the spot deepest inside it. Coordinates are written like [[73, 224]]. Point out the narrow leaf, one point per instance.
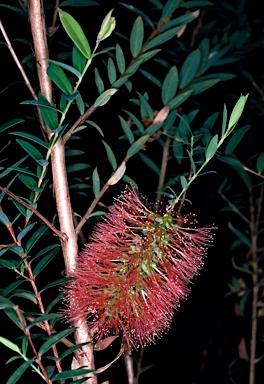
[[59, 78], [96, 182], [135, 147], [110, 155], [69, 67], [120, 59], [54, 339], [98, 81], [111, 71], [25, 231], [44, 261], [260, 163], [75, 32], [32, 151], [127, 130], [189, 68], [169, 8], [212, 148], [104, 97], [178, 100], [170, 84], [72, 373], [10, 123], [19, 372], [162, 38], [136, 37], [43, 318], [78, 59], [150, 163], [30, 137]]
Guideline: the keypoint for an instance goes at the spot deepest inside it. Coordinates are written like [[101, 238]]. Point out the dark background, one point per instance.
[[202, 345]]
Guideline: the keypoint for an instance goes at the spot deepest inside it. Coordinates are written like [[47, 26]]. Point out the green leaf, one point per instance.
[[111, 71], [189, 68], [44, 261], [10, 123], [197, 3], [136, 147], [9, 344], [95, 126], [136, 37], [121, 81], [150, 163], [98, 81], [180, 21], [96, 182], [192, 162], [153, 128], [75, 32], [4, 219], [178, 100], [169, 8], [28, 181], [12, 286], [235, 139], [139, 12], [54, 302], [260, 163], [201, 86], [120, 59], [19, 372], [133, 67], [184, 182], [8, 170], [54, 339], [48, 114], [18, 10], [145, 108], [10, 312], [25, 295], [241, 236], [104, 97], [224, 121], [110, 155], [212, 148], [80, 104], [25, 231], [72, 373], [170, 84], [77, 167], [162, 38], [177, 151], [78, 59], [148, 55], [35, 237], [30, 137], [43, 318], [127, 130], [150, 77], [236, 113], [69, 67], [78, 3], [72, 349], [59, 78], [136, 121], [57, 282]]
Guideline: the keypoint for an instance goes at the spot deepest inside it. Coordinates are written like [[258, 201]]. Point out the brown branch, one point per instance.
[[55, 13], [69, 247], [27, 333], [129, 366], [62, 236], [163, 169], [78, 122]]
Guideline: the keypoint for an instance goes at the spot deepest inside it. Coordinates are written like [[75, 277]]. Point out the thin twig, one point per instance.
[[129, 366], [78, 122], [163, 169], [27, 333], [62, 236], [55, 13], [139, 365]]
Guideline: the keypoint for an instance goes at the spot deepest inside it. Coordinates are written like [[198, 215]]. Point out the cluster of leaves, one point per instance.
[[188, 67]]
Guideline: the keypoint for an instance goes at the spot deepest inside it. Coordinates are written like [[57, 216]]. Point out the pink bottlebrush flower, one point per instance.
[[135, 271]]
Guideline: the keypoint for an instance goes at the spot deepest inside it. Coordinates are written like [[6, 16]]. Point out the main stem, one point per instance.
[[69, 246]]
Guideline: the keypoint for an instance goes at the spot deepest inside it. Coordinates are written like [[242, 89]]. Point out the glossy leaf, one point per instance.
[[224, 121], [28, 181], [162, 38], [169, 8], [127, 130], [150, 163], [212, 148], [236, 113], [96, 126], [72, 373], [235, 139], [56, 282], [25, 231], [260, 163], [170, 84], [72, 349], [57, 75], [77, 167], [202, 86], [98, 81], [139, 12], [30, 137], [244, 239], [19, 372], [75, 32], [104, 97], [25, 294], [110, 155], [178, 100], [150, 77], [48, 114], [4, 219], [145, 108], [96, 182], [69, 67], [121, 81], [111, 71], [134, 67], [9, 344], [12, 286], [196, 3], [54, 302], [78, 59], [180, 21], [136, 36], [10, 312], [10, 124], [78, 3], [184, 182], [53, 340], [43, 318], [44, 261], [120, 59], [148, 55], [136, 146], [136, 121], [189, 68]]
